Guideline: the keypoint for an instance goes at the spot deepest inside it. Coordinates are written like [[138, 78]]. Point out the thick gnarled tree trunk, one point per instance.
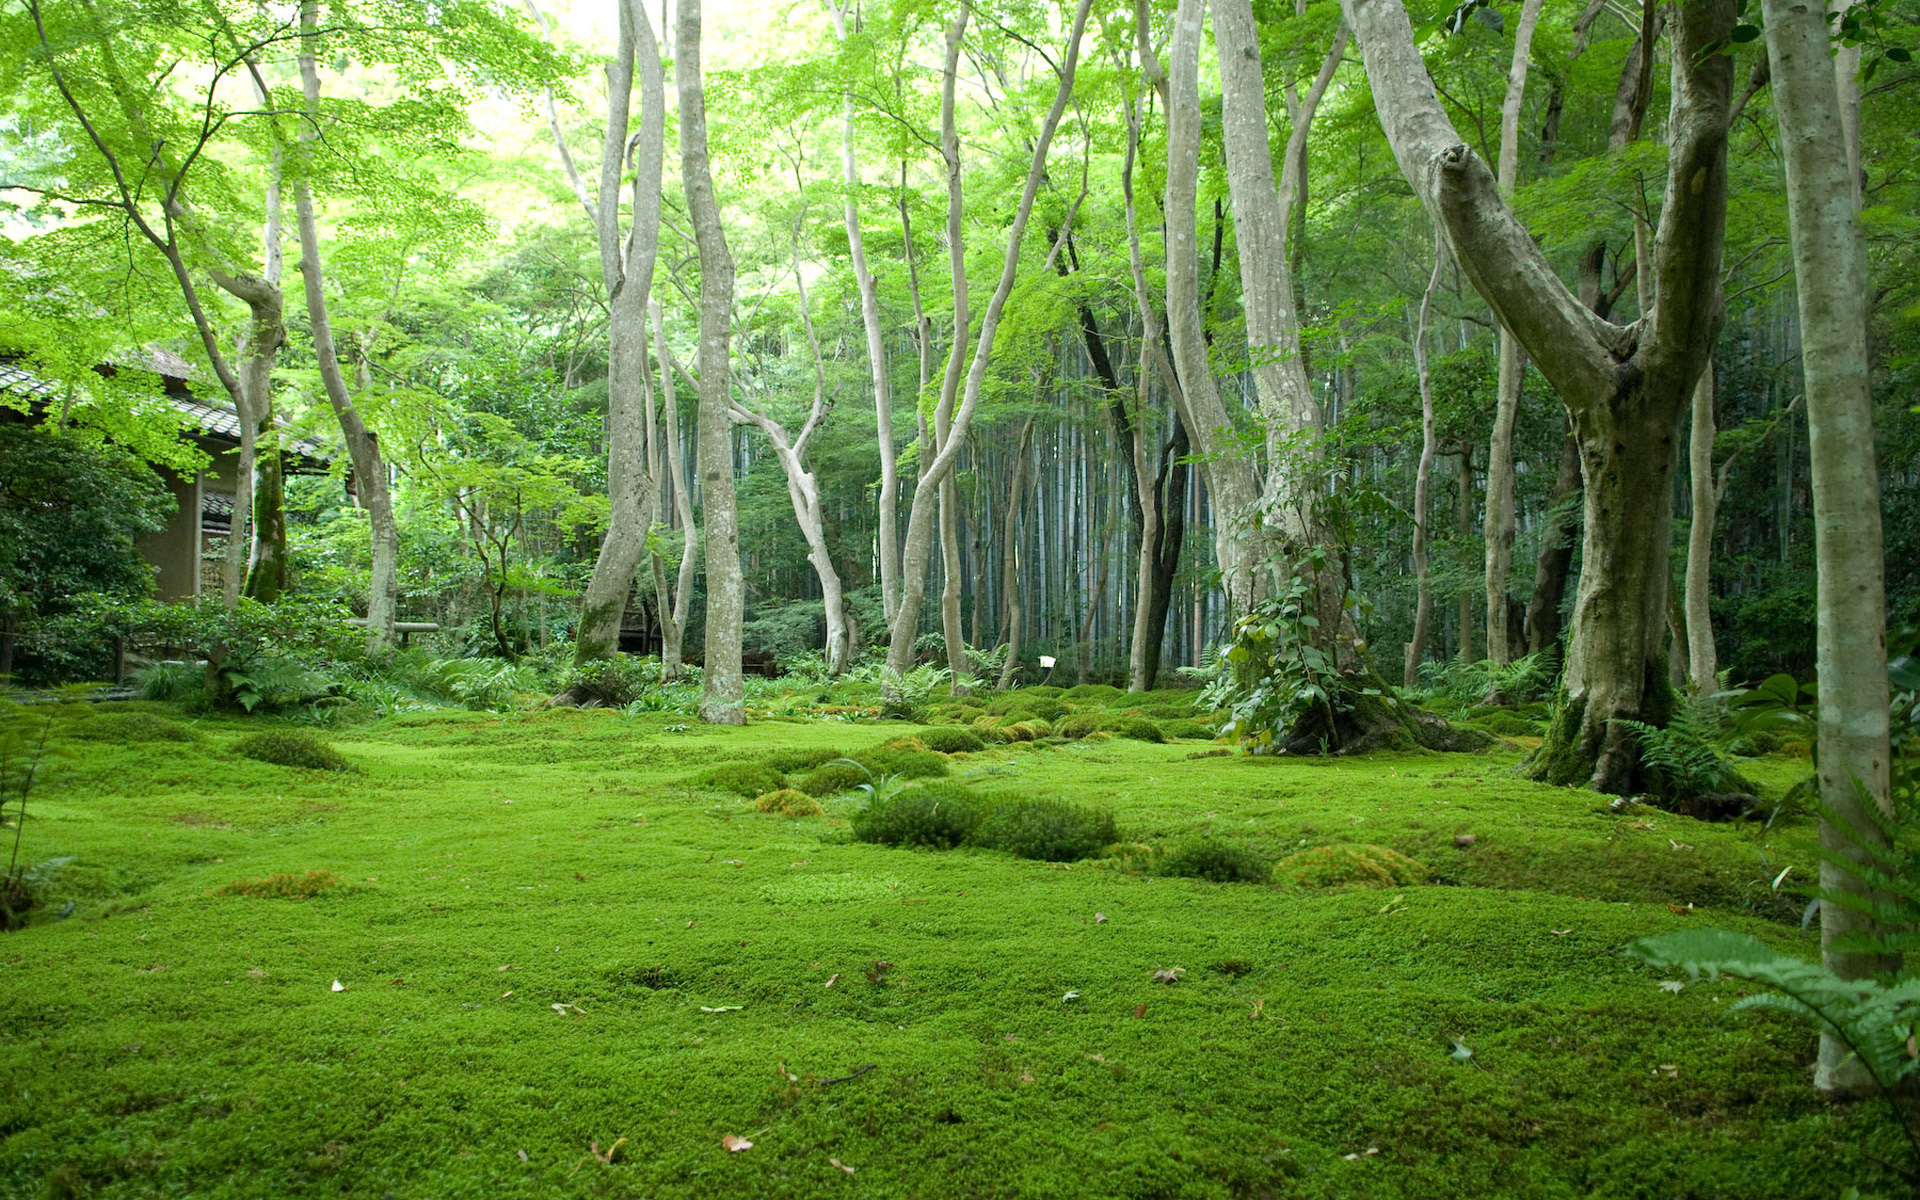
[[1625, 387]]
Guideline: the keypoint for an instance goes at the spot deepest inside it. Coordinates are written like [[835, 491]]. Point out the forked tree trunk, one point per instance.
[[1625, 387], [722, 691], [1554, 562], [626, 269], [1499, 522], [1240, 543], [1830, 271], [363, 447]]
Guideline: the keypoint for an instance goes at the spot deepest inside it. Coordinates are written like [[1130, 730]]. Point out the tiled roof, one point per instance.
[[214, 421]]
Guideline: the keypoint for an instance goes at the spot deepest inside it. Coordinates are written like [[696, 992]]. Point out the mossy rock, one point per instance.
[[952, 740], [1080, 725], [789, 802], [743, 779], [787, 762], [1027, 731], [292, 748], [1348, 865], [1138, 728], [132, 728]]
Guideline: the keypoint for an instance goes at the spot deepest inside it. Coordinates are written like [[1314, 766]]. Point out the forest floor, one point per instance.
[[556, 965]]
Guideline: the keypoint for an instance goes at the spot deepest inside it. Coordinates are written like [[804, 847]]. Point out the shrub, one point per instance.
[[480, 684], [1348, 864], [788, 802], [789, 761], [1186, 729], [744, 779], [952, 740], [1209, 858], [1046, 829], [292, 748], [938, 815], [283, 887], [127, 728], [1139, 729], [614, 682]]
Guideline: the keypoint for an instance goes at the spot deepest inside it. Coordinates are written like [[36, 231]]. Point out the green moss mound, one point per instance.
[[788, 762], [1186, 730], [292, 748], [1080, 725], [790, 802], [1050, 830], [1348, 864], [132, 728], [908, 762], [743, 779], [952, 740], [1024, 705], [1093, 693], [940, 816], [1213, 859], [834, 779], [1504, 722]]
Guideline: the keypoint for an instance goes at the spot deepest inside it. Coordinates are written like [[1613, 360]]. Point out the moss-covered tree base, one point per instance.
[[1363, 724]]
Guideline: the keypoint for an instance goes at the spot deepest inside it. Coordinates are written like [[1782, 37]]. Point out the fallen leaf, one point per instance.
[[1070, 997], [1782, 875], [844, 1167], [834, 980], [1169, 975], [734, 1144], [1099, 918], [1464, 840], [1460, 1051], [505, 994], [1559, 932], [789, 1076], [523, 1155], [1258, 1005], [507, 967], [734, 862], [1139, 1010], [722, 1008], [1671, 985], [1681, 909], [1678, 845], [562, 1009], [611, 1150], [1358, 1155], [338, 986]]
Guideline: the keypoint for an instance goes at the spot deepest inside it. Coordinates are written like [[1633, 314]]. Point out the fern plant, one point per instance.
[[1684, 755]]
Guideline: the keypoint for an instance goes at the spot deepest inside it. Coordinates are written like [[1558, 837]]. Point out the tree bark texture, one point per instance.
[[1703, 662], [1829, 260], [674, 607], [722, 691], [1625, 387], [626, 270], [363, 446], [1423, 476]]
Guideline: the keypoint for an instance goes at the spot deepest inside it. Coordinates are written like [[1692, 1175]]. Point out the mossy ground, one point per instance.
[[171, 1038]]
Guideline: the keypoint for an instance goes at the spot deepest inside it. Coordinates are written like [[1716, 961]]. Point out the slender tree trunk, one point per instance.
[[626, 267], [955, 400], [363, 446], [951, 630], [1463, 533], [1703, 663], [1423, 476], [1830, 270], [1555, 559], [1010, 556], [674, 607], [1499, 523], [722, 692]]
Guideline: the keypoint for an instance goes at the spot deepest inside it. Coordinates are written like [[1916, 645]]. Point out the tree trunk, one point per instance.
[[1703, 663], [1555, 559], [1239, 542], [673, 608], [626, 268], [1830, 271], [722, 691], [363, 446], [1625, 387], [1010, 556], [1423, 477], [951, 632], [1463, 533], [957, 405], [1499, 522]]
